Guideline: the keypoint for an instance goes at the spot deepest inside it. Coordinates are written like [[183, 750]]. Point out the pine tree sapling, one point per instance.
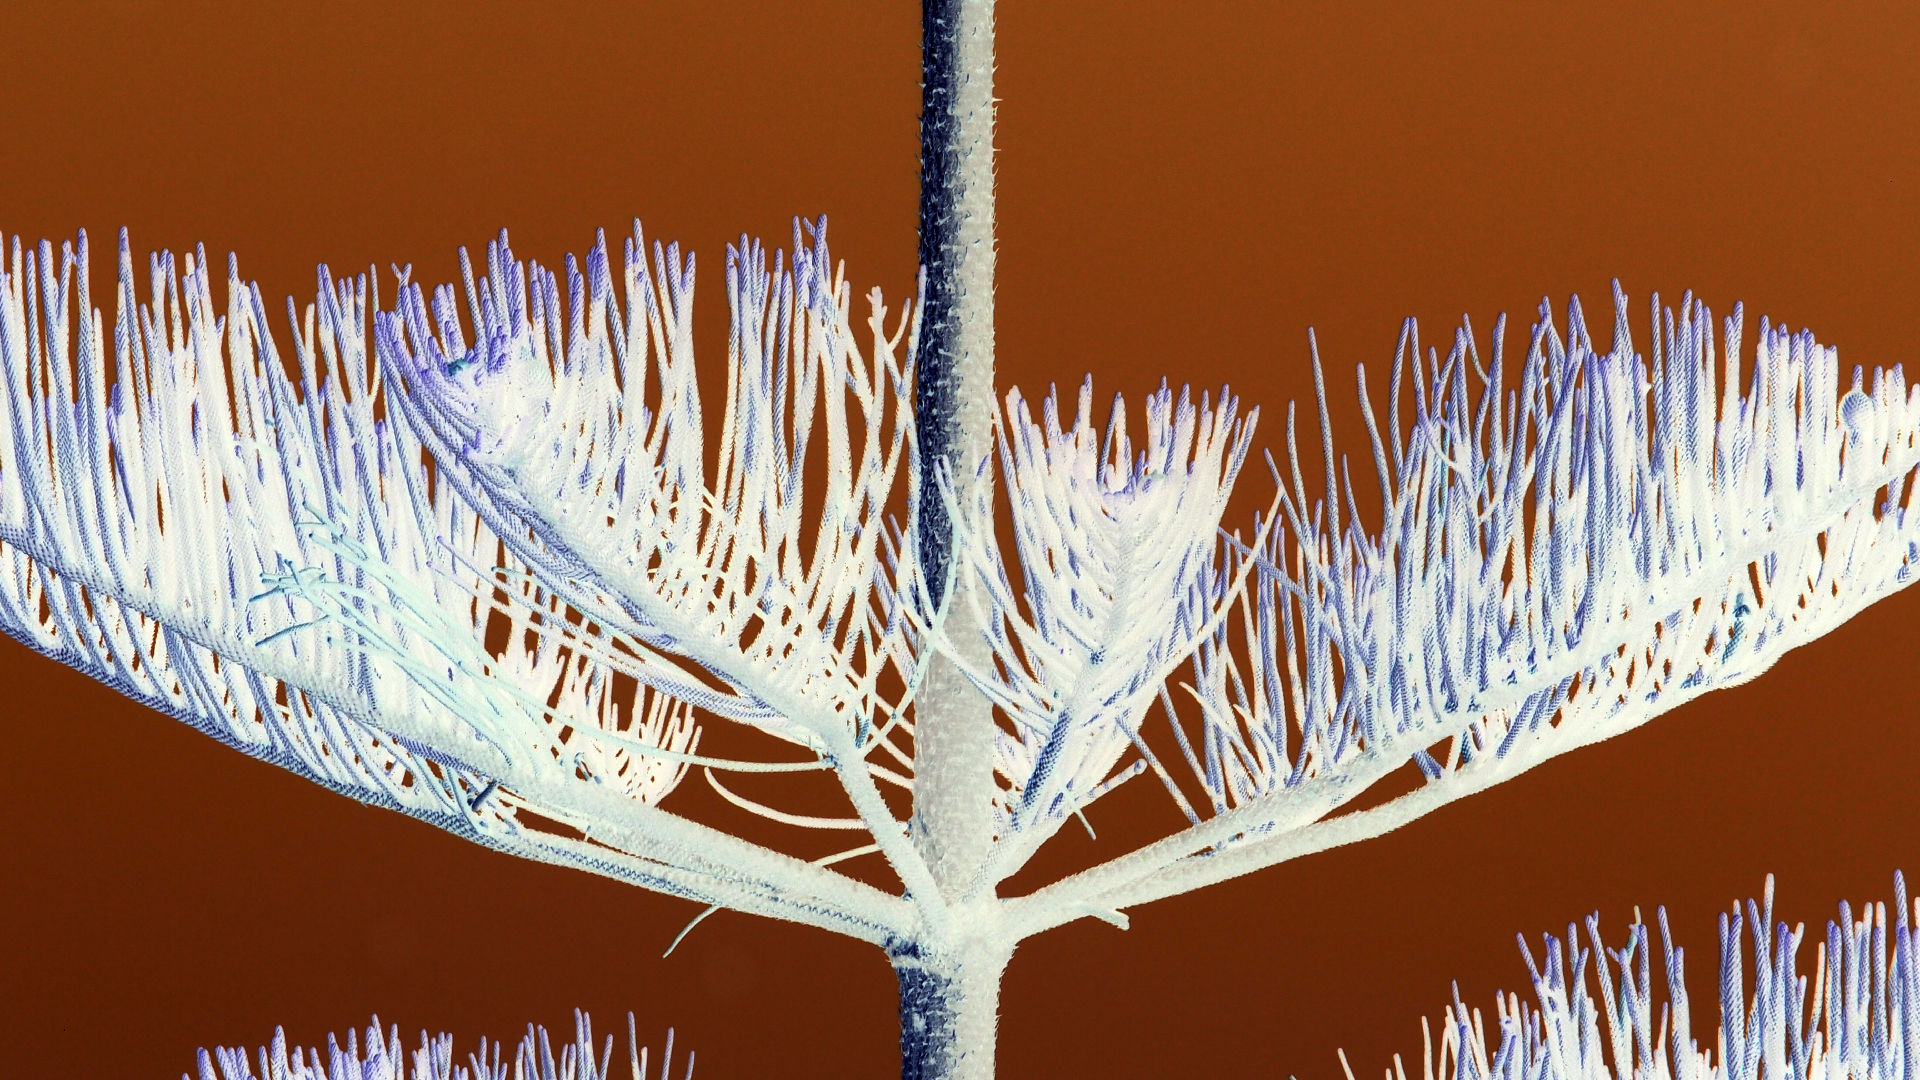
[[483, 553]]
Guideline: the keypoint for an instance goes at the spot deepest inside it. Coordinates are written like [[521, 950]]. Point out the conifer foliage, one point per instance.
[[414, 554]]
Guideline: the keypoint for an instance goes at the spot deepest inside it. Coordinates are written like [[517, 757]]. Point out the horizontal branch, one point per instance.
[[1186, 861], [638, 829]]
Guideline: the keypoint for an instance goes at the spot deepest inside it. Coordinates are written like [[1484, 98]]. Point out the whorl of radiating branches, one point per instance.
[[384, 1058], [1859, 1020], [268, 557]]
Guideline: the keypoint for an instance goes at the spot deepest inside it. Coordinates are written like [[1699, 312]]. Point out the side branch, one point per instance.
[[1879, 551], [728, 865]]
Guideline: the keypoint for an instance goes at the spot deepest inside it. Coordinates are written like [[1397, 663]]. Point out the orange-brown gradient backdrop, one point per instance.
[[1184, 189]]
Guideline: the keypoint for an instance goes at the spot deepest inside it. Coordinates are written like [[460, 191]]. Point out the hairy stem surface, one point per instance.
[[953, 406]]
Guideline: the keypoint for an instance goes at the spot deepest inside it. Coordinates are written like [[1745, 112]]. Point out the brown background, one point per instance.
[[1184, 189]]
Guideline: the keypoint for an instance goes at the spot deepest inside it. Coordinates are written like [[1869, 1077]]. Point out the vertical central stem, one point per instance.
[[950, 989], [949, 1001], [953, 410]]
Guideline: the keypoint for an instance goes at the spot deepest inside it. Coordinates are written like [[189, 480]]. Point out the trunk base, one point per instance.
[[949, 1008]]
